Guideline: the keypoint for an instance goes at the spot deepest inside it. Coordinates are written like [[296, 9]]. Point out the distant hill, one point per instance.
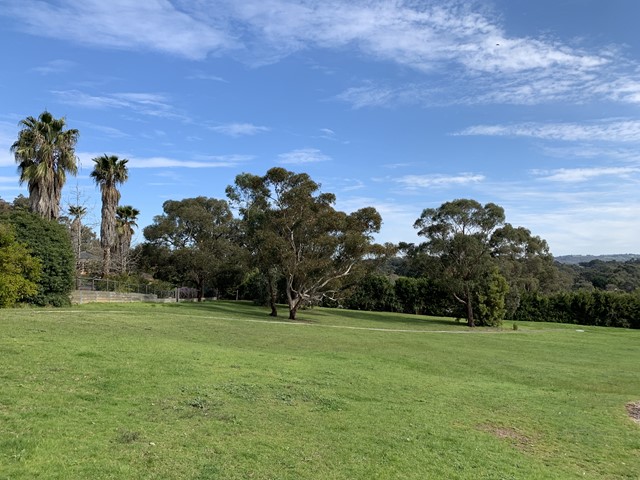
[[576, 259]]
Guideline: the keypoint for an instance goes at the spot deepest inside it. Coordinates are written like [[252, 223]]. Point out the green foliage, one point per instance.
[[50, 243], [609, 275], [465, 243], [492, 300], [407, 293], [373, 293], [195, 242], [19, 271], [595, 307], [294, 232], [458, 234], [45, 153]]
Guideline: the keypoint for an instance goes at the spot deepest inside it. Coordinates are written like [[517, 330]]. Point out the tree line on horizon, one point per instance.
[[288, 245]]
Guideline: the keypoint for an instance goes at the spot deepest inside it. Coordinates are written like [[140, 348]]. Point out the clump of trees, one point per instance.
[[290, 245], [293, 232], [197, 241]]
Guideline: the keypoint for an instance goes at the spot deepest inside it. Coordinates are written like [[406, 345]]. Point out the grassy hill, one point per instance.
[[220, 390]]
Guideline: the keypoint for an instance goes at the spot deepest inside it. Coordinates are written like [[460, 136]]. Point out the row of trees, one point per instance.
[[289, 244], [289, 235], [45, 154]]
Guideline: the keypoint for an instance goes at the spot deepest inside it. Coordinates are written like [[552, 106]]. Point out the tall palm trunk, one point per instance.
[[110, 197]]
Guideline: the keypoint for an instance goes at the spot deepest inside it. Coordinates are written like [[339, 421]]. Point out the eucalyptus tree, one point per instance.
[[45, 154], [458, 234], [108, 172], [126, 217], [198, 238], [485, 263], [304, 239]]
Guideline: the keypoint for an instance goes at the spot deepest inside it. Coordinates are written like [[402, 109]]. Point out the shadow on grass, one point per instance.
[[233, 308], [390, 317], [248, 309]]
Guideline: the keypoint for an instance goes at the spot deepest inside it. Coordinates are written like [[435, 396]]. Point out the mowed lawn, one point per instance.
[[221, 390]]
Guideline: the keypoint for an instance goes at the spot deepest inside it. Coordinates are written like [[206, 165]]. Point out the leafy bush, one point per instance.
[[19, 271], [373, 293], [598, 308], [50, 243]]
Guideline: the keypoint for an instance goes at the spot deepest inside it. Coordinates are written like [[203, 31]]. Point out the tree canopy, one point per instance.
[[45, 153], [198, 237], [296, 232]]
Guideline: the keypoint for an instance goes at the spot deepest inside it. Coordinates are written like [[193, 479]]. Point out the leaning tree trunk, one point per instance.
[[294, 301]]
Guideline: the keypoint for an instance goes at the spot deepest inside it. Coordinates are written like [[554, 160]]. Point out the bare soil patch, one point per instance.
[[633, 409], [519, 440]]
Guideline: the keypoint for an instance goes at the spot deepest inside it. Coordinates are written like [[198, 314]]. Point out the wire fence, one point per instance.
[[107, 285]]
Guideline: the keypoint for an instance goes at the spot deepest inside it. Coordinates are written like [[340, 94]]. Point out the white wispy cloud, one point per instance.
[[574, 175], [615, 131], [198, 161], [206, 76], [239, 129], [54, 66], [451, 40], [327, 133], [124, 24], [413, 182], [303, 156], [152, 104], [111, 132]]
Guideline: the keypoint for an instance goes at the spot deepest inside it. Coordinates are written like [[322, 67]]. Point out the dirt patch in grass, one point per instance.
[[633, 409], [519, 440]]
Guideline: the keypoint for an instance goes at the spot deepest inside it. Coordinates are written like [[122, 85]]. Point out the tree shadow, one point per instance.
[[233, 308], [391, 317], [248, 309]]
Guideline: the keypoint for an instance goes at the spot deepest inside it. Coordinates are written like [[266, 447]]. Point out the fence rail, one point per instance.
[[107, 285]]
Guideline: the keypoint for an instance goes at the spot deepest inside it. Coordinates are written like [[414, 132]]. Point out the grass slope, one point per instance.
[[220, 390]]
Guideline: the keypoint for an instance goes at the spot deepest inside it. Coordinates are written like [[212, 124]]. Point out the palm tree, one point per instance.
[[77, 212], [126, 217], [108, 172], [45, 153]]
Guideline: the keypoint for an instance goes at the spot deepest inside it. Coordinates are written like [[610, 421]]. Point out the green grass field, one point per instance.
[[220, 390]]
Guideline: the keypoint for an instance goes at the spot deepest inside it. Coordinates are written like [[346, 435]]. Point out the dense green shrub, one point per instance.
[[373, 293], [48, 241], [407, 292], [19, 271], [492, 300], [595, 307]]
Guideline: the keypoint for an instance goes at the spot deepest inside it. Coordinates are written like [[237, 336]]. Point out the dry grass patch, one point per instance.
[[517, 439], [633, 408]]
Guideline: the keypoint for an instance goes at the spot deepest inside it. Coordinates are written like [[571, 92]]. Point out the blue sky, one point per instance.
[[401, 105]]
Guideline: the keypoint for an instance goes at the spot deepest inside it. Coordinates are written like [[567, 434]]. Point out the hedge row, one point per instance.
[[599, 308]]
